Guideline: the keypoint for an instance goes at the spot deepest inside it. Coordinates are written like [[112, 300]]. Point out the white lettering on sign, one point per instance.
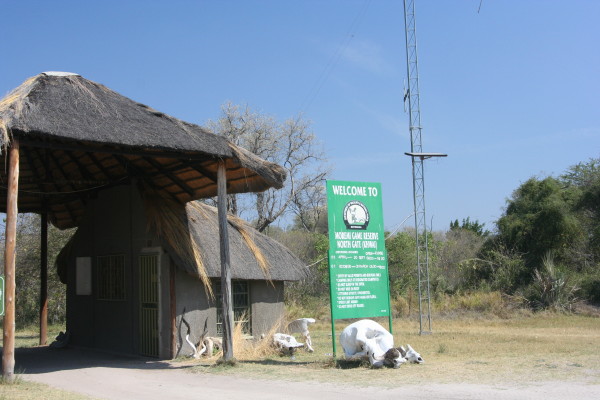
[[352, 240], [342, 190]]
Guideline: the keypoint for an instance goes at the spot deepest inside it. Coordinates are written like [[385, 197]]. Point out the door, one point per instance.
[[149, 305]]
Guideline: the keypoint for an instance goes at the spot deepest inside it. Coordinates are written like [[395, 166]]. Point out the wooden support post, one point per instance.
[[44, 279], [227, 305], [8, 349], [173, 309]]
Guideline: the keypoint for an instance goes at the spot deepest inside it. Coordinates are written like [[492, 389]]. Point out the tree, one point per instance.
[[474, 227], [538, 219], [584, 178], [290, 144], [460, 245], [402, 262], [27, 271]]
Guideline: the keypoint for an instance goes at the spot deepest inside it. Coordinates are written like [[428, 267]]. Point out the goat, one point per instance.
[[301, 326], [367, 339]]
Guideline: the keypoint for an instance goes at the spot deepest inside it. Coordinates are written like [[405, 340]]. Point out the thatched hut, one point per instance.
[[127, 177]]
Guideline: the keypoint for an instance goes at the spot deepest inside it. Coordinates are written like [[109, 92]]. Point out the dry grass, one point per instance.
[[544, 347], [25, 390], [165, 218], [169, 221]]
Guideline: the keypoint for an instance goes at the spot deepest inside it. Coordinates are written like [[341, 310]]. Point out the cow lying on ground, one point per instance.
[[368, 339]]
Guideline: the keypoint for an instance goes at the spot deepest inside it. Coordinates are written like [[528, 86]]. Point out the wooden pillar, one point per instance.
[[8, 349], [227, 305], [173, 309], [44, 278]]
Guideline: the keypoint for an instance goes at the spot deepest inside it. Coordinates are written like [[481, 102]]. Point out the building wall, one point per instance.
[[267, 305], [266, 308], [193, 304], [115, 224]]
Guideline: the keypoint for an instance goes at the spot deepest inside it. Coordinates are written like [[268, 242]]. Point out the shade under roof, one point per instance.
[[77, 137]]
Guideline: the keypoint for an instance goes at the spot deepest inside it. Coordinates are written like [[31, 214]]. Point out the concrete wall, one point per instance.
[[267, 305], [266, 309], [191, 299], [115, 224]]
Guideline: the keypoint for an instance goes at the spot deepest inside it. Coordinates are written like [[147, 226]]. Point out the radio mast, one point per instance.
[[418, 156]]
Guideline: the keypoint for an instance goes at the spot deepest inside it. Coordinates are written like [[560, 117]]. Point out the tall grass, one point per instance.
[[552, 288]]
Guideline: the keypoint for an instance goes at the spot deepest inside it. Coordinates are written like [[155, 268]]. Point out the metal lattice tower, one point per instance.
[[418, 156]]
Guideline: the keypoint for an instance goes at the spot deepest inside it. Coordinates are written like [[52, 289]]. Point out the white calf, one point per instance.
[[301, 326]]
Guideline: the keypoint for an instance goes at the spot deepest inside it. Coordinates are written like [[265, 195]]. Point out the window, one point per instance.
[[241, 306], [111, 277]]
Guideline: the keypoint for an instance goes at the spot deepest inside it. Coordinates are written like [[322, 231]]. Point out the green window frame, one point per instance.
[[111, 277], [241, 306]]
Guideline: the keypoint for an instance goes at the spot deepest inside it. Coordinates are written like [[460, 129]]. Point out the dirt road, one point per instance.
[[106, 376]]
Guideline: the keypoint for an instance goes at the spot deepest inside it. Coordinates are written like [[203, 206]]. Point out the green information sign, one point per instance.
[[1, 295], [358, 273]]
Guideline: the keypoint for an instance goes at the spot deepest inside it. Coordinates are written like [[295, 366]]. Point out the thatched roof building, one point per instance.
[[127, 176], [254, 256], [78, 136]]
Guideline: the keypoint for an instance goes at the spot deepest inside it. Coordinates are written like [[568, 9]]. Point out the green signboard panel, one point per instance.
[[358, 271], [1, 296]]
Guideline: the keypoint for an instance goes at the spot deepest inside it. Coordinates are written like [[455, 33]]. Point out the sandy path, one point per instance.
[[107, 376]]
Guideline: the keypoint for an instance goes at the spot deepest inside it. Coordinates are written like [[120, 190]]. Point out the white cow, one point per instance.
[[368, 339]]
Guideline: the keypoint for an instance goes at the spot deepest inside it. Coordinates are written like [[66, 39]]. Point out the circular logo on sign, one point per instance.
[[356, 215]]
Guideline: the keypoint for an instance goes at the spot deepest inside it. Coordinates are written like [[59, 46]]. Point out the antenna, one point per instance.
[[418, 157]]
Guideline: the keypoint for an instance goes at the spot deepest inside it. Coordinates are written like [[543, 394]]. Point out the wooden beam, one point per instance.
[[197, 167], [137, 173], [48, 156], [173, 308], [227, 303], [122, 150], [8, 348], [99, 165], [44, 277], [169, 175]]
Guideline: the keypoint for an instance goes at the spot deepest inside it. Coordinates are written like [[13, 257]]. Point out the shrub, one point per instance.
[[400, 307], [590, 288], [551, 287]]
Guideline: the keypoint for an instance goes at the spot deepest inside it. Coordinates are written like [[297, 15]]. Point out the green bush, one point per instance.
[[590, 288], [551, 287]]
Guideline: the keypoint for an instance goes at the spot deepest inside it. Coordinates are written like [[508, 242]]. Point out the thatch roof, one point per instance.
[[194, 228], [253, 254], [77, 136]]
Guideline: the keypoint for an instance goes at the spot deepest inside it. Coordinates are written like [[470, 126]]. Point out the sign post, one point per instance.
[[358, 272]]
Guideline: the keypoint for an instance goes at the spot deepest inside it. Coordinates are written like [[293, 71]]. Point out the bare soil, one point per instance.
[[544, 357], [106, 376]]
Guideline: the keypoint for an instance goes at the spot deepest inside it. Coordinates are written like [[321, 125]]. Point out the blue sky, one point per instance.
[[509, 93]]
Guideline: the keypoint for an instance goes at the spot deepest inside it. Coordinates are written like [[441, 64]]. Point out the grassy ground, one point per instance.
[[29, 337], [519, 350], [23, 390], [544, 347]]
